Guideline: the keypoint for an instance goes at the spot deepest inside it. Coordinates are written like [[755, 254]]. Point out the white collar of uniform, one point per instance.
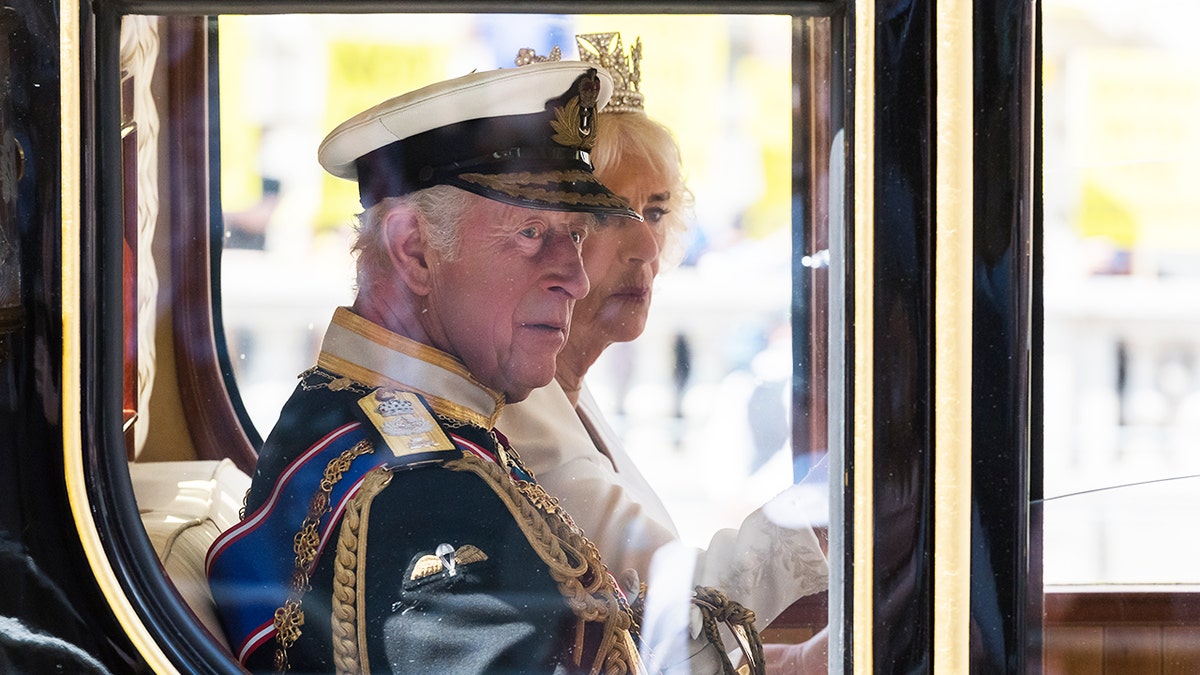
[[373, 355]]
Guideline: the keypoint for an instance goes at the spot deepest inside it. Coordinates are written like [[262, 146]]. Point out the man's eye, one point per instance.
[[578, 237], [530, 233]]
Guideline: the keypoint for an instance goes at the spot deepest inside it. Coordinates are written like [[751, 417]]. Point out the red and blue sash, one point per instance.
[[250, 566]]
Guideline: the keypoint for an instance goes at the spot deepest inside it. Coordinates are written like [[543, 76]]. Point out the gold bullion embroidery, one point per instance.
[[716, 608], [406, 425], [574, 564], [572, 125], [315, 378], [521, 185], [429, 565], [290, 617], [350, 653]]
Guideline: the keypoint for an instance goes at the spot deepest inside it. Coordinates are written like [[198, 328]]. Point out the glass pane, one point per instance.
[[1122, 283], [707, 388], [721, 402]]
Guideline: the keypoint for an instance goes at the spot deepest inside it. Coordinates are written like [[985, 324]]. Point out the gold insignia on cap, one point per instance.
[[574, 123], [404, 421], [429, 564]]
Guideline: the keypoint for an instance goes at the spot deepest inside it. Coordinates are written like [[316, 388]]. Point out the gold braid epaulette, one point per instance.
[[350, 653], [715, 609], [574, 564]]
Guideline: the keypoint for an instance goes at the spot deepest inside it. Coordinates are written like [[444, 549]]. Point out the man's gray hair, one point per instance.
[[440, 211]]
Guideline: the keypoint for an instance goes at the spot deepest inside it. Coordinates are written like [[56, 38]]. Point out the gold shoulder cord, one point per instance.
[[573, 560], [716, 608], [290, 617], [350, 654]]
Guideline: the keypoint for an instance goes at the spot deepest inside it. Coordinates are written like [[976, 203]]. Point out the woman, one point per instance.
[[561, 434]]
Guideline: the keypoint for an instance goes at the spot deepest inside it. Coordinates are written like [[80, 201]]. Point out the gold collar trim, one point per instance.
[[377, 357]]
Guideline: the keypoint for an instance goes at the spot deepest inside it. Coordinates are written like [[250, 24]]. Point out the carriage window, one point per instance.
[[722, 399], [1122, 275], [239, 253]]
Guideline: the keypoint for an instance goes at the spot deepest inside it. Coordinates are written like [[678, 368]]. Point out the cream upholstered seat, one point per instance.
[[184, 507]]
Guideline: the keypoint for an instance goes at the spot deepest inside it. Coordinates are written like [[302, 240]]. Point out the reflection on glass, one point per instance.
[[1122, 291], [702, 398]]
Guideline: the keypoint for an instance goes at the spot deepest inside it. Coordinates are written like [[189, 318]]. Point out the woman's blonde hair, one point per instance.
[[620, 135]]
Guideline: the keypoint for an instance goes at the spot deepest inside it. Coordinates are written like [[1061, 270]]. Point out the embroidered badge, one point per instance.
[[431, 564], [573, 123], [404, 422]]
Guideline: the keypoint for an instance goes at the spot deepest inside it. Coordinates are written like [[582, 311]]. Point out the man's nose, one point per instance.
[[564, 270]]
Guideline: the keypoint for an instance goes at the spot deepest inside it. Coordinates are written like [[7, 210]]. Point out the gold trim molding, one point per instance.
[[953, 295], [71, 157], [863, 579]]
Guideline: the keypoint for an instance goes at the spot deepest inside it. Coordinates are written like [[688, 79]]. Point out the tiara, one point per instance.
[[526, 56], [605, 50]]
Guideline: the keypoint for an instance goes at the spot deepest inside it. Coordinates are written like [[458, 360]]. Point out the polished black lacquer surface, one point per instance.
[[903, 631], [1003, 572], [54, 617], [1003, 578]]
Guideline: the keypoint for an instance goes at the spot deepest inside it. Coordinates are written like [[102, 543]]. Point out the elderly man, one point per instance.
[[389, 526]]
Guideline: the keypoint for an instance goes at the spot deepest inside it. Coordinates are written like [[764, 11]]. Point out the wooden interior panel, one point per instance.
[[803, 619], [213, 424], [1181, 650], [1118, 632], [1160, 605], [129, 258], [1132, 650], [1074, 650]]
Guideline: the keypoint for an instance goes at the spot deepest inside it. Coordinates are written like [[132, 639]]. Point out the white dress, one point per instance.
[[772, 559]]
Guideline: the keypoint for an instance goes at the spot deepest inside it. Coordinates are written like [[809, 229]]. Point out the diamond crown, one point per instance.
[[606, 50]]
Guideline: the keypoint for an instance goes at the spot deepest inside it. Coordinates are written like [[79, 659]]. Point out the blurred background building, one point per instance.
[[1122, 291]]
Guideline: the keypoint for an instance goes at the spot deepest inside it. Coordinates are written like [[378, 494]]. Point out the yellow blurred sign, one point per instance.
[[1135, 132], [729, 104]]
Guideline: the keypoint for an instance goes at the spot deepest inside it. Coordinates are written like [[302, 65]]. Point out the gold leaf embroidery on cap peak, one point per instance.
[[518, 185], [566, 124]]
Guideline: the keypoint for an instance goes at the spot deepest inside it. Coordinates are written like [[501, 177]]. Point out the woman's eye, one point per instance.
[[655, 214]]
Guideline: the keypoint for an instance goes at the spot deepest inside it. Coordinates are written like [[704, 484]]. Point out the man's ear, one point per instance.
[[407, 248]]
